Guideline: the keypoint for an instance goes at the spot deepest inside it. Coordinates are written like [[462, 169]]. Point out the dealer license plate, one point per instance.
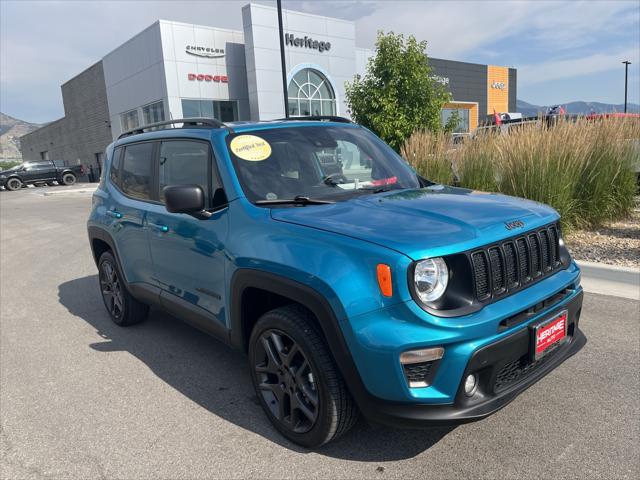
[[549, 334]]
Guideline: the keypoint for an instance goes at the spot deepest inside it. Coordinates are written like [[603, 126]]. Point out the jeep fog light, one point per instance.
[[430, 277], [471, 384]]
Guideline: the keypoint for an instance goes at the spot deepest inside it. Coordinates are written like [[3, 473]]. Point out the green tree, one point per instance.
[[398, 93]]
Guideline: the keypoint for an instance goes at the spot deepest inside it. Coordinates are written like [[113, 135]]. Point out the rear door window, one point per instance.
[[136, 170]]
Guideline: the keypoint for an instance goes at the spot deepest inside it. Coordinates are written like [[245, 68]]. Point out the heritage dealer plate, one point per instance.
[[549, 334]]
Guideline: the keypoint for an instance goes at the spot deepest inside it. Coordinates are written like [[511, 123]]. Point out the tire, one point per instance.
[[123, 309], [291, 365], [13, 184], [68, 179]]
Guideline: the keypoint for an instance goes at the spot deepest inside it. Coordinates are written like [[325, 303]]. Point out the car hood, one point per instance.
[[425, 222], [9, 171]]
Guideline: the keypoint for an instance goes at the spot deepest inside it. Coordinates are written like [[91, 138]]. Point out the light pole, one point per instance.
[[626, 78], [282, 61]]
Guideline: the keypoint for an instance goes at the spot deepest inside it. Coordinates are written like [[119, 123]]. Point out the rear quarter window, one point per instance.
[[135, 171], [114, 170]]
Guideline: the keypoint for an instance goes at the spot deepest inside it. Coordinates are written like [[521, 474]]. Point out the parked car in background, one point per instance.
[[41, 172], [353, 284]]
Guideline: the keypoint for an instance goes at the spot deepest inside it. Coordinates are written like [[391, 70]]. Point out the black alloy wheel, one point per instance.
[[286, 381], [296, 378], [111, 289], [123, 308]]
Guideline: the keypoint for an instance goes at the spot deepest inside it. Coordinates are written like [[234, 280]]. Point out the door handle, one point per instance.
[[114, 213], [162, 228]]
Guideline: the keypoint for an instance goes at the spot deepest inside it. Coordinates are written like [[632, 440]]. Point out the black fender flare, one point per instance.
[[310, 298], [97, 233]]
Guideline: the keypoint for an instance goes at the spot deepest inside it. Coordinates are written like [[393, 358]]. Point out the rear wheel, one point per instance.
[[122, 307], [296, 379], [68, 179], [13, 184]]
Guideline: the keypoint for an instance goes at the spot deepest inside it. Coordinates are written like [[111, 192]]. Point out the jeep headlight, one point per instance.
[[430, 278]]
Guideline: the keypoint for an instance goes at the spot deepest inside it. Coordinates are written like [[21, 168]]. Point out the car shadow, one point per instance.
[[217, 377]]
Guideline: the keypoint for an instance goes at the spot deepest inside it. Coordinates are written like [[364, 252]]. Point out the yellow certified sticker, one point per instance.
[[251, 148]]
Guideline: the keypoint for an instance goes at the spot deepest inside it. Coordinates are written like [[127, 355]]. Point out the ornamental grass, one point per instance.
[[584, 169]]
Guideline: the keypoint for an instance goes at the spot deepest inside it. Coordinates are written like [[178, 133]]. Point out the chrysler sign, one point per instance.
[[306, 42], [206, 52]]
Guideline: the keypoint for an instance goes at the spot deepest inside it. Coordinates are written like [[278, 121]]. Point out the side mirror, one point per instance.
[[187, 199]]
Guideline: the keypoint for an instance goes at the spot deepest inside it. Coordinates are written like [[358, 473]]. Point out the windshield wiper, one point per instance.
[[378, 189], [297, 200]]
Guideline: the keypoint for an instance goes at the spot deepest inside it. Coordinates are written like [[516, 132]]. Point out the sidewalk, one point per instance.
[[78, 188], [610, 280]]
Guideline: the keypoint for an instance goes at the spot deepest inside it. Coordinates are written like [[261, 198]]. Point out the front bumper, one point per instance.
[[496, 388], [493, 342]]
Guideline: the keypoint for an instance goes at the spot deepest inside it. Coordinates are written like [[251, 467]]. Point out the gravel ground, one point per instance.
[[617, 243]]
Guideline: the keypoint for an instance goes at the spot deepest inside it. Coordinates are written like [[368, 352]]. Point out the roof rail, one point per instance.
[[321, 118], [186, 123]]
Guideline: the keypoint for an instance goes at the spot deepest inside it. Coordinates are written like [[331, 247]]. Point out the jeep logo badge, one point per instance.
[[513, 225]]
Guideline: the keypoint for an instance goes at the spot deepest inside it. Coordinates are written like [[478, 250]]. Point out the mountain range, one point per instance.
[[575, 108], [11, 129]]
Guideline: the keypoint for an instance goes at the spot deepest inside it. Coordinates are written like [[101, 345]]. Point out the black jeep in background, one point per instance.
[[40, 173]]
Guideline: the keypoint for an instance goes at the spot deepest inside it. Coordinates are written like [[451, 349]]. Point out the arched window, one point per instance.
[[310, 93]]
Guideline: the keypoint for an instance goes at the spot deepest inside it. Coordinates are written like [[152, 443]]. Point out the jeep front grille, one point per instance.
[[510, 265]]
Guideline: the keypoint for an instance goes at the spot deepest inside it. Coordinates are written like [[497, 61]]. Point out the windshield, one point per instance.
[[319, 162]]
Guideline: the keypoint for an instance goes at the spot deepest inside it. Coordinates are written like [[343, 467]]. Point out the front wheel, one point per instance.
[[68, 179], [13, 184], [296, 379]]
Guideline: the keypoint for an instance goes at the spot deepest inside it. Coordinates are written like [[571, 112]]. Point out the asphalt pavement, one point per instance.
[[83, 398]]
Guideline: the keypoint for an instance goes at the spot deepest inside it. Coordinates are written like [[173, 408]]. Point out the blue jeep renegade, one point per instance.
[[353, 284]]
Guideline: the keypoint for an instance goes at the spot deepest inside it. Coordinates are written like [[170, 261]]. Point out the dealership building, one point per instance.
[[178, 70]]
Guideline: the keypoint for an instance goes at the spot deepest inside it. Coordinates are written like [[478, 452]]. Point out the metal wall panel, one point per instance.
[[466, 81]]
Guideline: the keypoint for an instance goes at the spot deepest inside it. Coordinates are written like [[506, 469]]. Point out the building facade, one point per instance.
[[83, 133], [177, 70]]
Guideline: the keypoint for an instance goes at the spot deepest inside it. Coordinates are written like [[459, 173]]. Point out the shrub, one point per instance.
[[398, 92], [583, 169]]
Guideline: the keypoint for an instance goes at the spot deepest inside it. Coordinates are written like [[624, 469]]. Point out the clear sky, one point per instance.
[[563, 50]]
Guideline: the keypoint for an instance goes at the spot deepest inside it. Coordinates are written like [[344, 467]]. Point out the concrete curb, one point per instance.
[[69, 191], [611, 280]]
